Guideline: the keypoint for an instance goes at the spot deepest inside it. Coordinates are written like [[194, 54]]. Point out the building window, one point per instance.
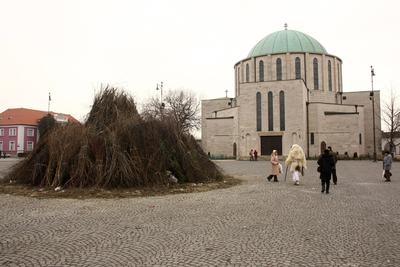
[[312, 138], [30, 132], [282, 110], [261, 70], [360, 139], [329, 76], [29, 146], [279, 69], [258, 111], [1, 132], [315, 67], [298, 68], [239, 75], [247, 73], [339, 84], [270, 112], [1, 146], [12, 131], [11, 146]]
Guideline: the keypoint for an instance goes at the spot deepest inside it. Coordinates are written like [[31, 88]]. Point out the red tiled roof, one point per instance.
[[24, 116]]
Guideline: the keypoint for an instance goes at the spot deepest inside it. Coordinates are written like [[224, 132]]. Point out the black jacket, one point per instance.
[[326, 162]]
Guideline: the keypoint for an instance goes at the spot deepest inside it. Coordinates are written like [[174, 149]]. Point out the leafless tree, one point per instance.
[[391, 117], [181, 106]]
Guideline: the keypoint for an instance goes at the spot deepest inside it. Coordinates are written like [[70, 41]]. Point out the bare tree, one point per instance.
[[180, 106], [391, 117]]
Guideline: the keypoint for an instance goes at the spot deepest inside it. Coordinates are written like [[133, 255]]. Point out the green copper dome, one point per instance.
[[287, 41]]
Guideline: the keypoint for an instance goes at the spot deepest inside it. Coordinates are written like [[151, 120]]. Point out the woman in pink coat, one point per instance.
[[275, 166]]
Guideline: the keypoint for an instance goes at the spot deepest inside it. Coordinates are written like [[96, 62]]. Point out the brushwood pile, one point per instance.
[[115, 147]]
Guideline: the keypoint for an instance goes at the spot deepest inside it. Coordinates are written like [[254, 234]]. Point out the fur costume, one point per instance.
[[296, 157]]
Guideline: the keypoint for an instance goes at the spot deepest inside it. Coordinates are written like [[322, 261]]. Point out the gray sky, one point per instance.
[[72, 47]]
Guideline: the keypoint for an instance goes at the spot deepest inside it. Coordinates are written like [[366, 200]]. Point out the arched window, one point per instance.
[[261, 70], [315, 67], [282, 110], [258, 111], [270, 112], [247, 73], [298, 68], [329, 76], [279, 69]]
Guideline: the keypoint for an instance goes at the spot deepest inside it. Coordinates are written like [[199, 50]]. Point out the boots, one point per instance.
[[275, 178]]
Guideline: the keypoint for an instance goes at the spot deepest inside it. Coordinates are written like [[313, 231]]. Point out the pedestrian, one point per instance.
[[333, 154], [387, 166], [296, 157], [255, 155], [326, 163], [274, 166], [296, 175], [251, 154]]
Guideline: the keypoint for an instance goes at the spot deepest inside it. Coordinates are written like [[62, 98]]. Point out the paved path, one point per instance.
[[254, 224]]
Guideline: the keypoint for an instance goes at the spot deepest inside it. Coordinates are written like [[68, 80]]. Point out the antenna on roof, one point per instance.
[[285, 25]]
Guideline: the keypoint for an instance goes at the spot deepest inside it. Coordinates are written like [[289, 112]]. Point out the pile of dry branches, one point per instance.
[[115, 148]]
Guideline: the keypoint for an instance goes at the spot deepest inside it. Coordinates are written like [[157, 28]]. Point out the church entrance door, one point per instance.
[[269, 143]]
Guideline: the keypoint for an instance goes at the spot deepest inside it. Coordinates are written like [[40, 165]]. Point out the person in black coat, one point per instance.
[[326, 163]]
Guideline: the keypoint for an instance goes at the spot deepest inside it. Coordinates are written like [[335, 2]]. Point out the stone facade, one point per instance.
[[287, 98]]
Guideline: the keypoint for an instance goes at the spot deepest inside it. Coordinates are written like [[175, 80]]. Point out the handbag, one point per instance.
[[319, 169]]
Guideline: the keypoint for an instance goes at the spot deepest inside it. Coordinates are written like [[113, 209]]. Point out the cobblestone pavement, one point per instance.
[[257, 223]]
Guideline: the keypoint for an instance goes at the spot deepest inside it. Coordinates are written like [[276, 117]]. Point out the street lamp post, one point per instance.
[[373, 109]]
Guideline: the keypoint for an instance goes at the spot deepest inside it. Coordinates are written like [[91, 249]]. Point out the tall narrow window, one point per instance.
[[279, 69], [298, 68], [247, 73], [258, 111], [315, 67], [270, 112], [312, 138], [282, 110], [261, 70], [339, 77], [329, 76], [360, 138]]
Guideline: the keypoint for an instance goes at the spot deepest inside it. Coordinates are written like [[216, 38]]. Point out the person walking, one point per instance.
[[387, 166], [255, 154], [296, 175], [274, 166], [251, 154], [333, 154], [326, 164]]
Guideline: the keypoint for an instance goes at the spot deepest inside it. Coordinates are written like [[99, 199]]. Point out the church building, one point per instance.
[[289, 90]]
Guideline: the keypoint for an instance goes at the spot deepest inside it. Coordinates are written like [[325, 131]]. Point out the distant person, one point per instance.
[[326, 164], [274, 166], [296, 175], [255, 154], [251, 154], [387, 166], [333, 154]]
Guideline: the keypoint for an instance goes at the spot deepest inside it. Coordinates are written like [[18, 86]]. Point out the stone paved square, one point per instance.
[[257, 223]]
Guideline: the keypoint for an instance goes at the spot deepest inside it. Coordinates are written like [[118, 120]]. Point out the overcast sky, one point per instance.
[[72, 47]]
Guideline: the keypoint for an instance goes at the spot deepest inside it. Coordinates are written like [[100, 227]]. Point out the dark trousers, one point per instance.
[[325, 183], [334, 177], [275, 178]]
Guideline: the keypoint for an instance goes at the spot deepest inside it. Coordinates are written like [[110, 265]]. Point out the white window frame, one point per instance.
[[12, 132], [1, 131], [29, 146], [30, 132], [11, 146]]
